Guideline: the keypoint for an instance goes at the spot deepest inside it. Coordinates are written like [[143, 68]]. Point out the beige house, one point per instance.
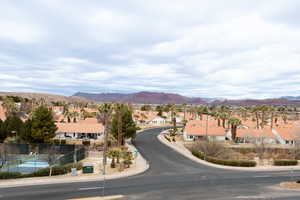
[[84, 129]]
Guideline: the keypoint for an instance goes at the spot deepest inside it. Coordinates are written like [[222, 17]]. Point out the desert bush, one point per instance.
[[213, 149]]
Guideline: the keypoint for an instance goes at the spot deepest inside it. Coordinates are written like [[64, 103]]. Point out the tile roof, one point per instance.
[[89, 125], [255, 133], [198, 127], [2, 112], [289, 131]]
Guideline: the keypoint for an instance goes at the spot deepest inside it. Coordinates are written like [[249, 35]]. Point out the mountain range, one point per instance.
[[47, 97], [155, 98], [164, 98], [291, 97], [142, 97]]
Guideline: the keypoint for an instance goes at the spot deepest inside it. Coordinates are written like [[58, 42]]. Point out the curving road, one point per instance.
[[170, 176]]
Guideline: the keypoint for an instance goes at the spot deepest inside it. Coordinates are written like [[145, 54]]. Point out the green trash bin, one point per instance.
[[88, 169]]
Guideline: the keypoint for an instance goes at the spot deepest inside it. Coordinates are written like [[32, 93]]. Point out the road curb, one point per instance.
[[185, 152], [69, 179]]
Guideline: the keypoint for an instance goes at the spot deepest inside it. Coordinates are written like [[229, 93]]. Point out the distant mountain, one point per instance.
[[253, 102], [142, 97], [293, 98], [47, 97], [164, 98]]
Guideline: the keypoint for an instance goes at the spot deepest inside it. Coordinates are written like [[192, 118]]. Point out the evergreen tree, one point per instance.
[[26, 134], [128, 125], [43, 127], [13, 126], [2, 131]]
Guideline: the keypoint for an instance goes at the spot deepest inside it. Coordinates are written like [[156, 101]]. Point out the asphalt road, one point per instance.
[[170, 176]]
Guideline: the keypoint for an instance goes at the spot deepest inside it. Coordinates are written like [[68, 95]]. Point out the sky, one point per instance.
[[199, 48]]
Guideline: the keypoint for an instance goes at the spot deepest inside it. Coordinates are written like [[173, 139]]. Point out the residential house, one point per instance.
[[2, 112], [257, 136], [200, 129], [83, 129]]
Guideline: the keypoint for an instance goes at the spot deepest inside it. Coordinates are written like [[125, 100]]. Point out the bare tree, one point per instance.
[[105, 118], [2, 156], [52, 156]]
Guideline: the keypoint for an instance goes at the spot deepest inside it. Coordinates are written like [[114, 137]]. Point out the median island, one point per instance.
[[226, 154]]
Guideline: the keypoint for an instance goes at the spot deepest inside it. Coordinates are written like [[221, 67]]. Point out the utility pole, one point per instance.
[[106, 111], [119, 113], [206, 128]]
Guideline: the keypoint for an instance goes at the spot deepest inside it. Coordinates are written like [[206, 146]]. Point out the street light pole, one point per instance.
[[206, 131]]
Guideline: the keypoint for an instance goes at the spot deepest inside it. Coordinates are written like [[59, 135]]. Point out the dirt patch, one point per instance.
[[290, 185]]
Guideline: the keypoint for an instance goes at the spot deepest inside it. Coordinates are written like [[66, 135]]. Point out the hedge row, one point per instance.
[[56, 170], [235, 163], [86, 142], [285, 162]]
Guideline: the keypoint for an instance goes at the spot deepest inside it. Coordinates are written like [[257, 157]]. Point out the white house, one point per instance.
[[84, 129], [198, 129]]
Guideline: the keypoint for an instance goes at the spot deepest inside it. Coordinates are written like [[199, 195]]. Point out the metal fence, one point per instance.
[[27, 158]]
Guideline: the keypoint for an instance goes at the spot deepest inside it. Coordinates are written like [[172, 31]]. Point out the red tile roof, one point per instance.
[[198, 127], [90, 125], [255, 133], [289, 131], [2, 112]]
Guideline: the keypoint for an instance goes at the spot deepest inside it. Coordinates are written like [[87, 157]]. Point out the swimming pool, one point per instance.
[[37, 164], [27, 167]]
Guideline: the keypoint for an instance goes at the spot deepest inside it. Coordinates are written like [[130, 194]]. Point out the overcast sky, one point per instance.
[[204, 48]]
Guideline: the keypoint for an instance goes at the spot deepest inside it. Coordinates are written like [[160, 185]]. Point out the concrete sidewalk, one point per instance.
[[180, 148], [139, 166]]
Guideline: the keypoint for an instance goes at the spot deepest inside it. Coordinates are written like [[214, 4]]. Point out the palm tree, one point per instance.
[[272, 111], [255, 111], [113, 154], [264, 111], [234, 122], [202, 110], [217, 116], [118, 110], [173, 118], [184, 111], [224, 114], [243, 113], [283, 114]]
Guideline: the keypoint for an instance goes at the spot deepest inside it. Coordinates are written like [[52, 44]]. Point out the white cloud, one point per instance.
[[235, 49]]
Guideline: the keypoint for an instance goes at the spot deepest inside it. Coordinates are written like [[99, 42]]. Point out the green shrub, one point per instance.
[[285, 162], [63, 142], [56, 170], [167, 138], [235, 163], [10, 175], [56, 141], [127, 162], [86, 142]]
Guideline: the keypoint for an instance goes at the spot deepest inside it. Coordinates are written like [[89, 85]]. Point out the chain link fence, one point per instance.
[[27, 158]]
